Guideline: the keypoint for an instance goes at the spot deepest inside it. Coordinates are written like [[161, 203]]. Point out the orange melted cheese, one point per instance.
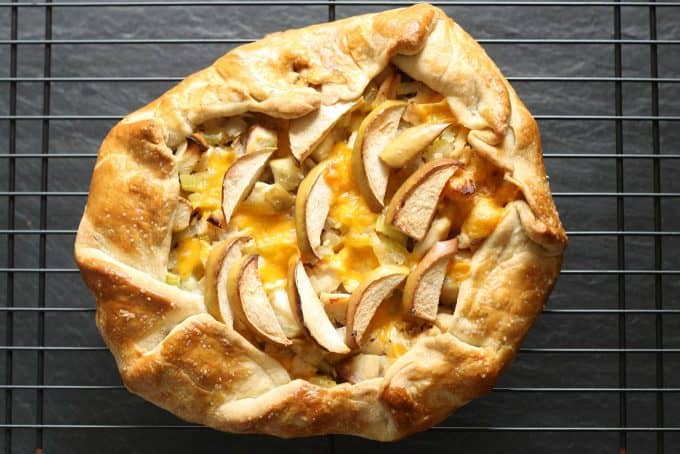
[[205, 195], [275, 242], [355, 258], [459, 268], [208, 196], [386, 326], [191, 254], [274, 235], [474, 212], [482, 219], [477, 196], [435, 112]]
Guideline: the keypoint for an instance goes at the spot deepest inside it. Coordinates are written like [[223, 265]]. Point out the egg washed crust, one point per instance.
[[172, 353]]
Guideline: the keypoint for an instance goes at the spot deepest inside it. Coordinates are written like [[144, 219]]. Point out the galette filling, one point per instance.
[[334, 241]]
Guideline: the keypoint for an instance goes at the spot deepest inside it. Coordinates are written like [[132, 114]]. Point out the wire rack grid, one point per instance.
[[598, 373]]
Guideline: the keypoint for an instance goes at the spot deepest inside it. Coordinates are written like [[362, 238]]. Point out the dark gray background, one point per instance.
[[95, 83]]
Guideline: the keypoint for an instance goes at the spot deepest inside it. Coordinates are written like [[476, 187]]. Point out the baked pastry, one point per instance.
[[345, 228]]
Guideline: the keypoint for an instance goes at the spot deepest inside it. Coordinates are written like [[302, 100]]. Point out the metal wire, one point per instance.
[[11, 184], [555, 194], [330, 3], [564, 271], [98, 348], [543, 117], [496, 389], [571, 233], [42, 255], [619, 272], [208, 40], [585, 311], [138, 79], [436, 428], [656, 184], [620, 244], [545, 155]]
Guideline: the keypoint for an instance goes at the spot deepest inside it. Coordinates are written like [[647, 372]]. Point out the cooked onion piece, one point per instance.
[[410, 142]]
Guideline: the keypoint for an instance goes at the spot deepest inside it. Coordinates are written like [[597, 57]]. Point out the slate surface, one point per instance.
[[499, 409]]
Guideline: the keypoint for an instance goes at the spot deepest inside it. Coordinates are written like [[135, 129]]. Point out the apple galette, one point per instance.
[[341, 229]]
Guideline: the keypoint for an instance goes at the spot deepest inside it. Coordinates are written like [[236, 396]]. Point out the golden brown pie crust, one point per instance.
[[172, 353]]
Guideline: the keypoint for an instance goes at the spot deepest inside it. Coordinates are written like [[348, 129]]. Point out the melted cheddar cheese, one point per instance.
[[275, 242], [349, 209], [191, 255], [206, 186], [387, 328], [459, 268], [475, 199], [204, 190], [477, 195], [435, 112], [486, 213]]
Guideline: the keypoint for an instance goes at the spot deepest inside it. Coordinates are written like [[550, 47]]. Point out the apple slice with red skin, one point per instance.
[[424, 284], [373, 290], [223, 256], [375, 132], [311, 311], [312, 205], [239, 179], [306, 133], [413, 205], [250, 304]]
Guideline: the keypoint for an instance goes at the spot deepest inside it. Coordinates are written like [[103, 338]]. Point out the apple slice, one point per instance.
[[312, 204], [305, 133], [413, 205], [372, 291], [240, 178], [411, 142], [375, 132], [223, 256], [424, 284], [250, 304], [314, 315], [286, 172]]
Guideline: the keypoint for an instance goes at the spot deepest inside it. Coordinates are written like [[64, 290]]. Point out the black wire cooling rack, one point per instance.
[[598, 373]]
